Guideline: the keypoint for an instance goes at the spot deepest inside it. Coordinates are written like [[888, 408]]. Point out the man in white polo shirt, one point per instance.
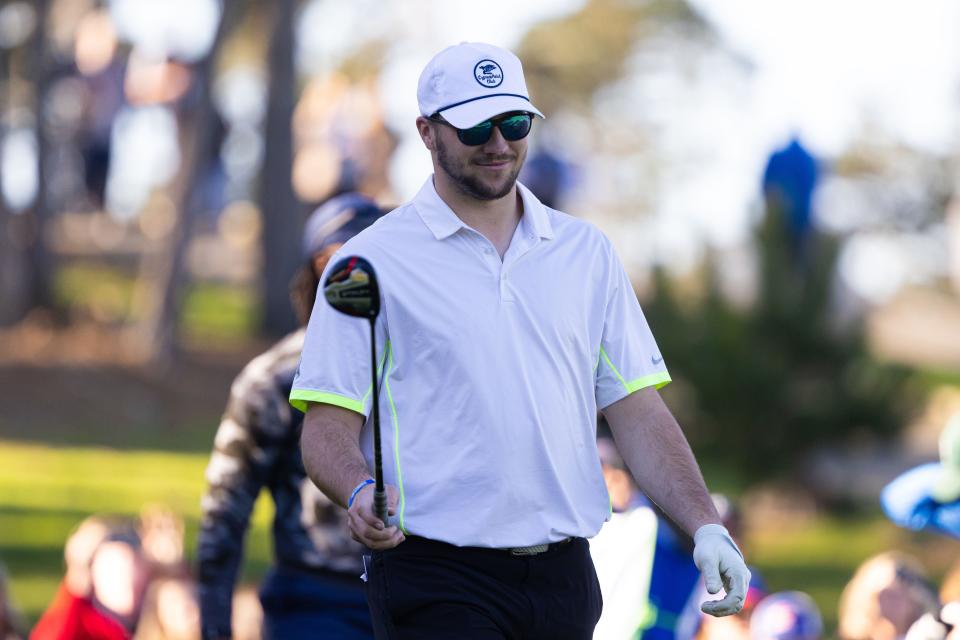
[[504, 325]]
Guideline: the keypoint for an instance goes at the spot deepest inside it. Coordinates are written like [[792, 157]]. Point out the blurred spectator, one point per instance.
[[928, 497], [886, 595], [789, 615], [946, 624], [737, 626], [10, 626], [548, 176], [101, 592], [650, 585], [247, 619], [171, 611], [316, 581], [789, 181], [623, 552], [103, 72], [161, 533], [950, 587]]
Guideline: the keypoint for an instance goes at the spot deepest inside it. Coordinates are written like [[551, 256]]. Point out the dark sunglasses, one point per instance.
[[512, 128]]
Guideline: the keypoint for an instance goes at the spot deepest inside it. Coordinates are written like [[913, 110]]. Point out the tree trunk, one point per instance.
[[39, 259], [25, 261], [162, 270], [278, 204]]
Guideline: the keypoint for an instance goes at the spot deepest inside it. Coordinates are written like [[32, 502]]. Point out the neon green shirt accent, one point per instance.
[[300, 399], [657, 380], [396, 439], [383, 358]]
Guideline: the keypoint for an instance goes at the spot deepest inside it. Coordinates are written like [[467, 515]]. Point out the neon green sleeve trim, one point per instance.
[[300, 397], [659, 379]]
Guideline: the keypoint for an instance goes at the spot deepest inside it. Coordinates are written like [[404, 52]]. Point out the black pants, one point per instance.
[[425, 589]]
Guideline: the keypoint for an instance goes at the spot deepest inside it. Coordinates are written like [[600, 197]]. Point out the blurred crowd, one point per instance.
[[128, 579], [889, 597]]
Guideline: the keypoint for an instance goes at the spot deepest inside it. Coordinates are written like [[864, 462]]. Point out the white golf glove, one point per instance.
[[722, 566]]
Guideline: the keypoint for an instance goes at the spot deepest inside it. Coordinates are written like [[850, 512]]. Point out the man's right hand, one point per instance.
[[366, 528]]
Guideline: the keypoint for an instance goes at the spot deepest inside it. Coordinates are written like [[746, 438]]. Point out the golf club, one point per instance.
[[352, 288]]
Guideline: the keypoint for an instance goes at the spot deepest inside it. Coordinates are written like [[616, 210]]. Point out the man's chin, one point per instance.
[[491, 191], [490, 187]]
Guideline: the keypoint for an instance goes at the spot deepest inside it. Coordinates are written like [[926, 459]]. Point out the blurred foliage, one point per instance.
[[765, 385], [568, 59], [213, 313], [46, 491], [219, 313]]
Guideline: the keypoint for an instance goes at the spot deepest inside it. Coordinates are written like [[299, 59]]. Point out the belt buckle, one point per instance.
[[533, 550]]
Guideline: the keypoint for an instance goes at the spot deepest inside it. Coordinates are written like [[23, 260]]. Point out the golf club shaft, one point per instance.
[[379, 494]]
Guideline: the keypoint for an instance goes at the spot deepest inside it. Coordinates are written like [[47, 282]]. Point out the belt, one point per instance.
[[537, 549], [435, 546]]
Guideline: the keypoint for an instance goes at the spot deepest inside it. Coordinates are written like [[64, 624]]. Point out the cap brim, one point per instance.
[[474, 112]]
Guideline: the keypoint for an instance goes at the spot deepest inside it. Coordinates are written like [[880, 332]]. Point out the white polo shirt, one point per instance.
[[490, 372]]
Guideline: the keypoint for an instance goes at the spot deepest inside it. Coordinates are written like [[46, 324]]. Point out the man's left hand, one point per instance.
[[721, 563]]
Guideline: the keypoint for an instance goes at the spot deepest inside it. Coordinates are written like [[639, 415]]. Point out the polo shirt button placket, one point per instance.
[[505, 295]]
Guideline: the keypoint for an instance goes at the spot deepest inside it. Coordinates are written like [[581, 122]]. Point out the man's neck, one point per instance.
[[495, 219]]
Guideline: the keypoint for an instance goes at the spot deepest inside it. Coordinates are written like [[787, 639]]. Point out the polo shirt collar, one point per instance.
[[443, 222]]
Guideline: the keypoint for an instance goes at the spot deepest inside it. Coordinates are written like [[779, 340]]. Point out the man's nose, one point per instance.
[[497, 143]]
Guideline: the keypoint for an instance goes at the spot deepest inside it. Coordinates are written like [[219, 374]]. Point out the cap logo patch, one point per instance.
[[488, 73]]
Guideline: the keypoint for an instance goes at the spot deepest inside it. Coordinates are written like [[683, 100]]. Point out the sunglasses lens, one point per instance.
[[513, 128], [475, 136], [516, 127]]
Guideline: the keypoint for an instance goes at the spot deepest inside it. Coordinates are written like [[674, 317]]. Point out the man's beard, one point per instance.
[[472, 185]]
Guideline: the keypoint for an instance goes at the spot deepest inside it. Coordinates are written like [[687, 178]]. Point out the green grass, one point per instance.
[[45, 491]]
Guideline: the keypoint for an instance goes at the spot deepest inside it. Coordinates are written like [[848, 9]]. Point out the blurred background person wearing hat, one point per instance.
[[928, 497], [887, 594], [651, 587], [314, 584], [788, 615]]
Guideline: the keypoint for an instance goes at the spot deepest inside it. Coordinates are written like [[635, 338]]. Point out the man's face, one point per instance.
[[485, 172]]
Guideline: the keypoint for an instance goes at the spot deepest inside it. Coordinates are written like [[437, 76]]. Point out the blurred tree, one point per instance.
[[40, 258], [163, 273], [27, 261], [569, 59], [764, 386], [282, 215]]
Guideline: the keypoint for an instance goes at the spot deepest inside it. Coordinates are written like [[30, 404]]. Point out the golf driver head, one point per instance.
[[352, 288]]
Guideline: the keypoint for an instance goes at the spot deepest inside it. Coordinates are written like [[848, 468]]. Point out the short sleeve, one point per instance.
[[335, 362], [629, 358]]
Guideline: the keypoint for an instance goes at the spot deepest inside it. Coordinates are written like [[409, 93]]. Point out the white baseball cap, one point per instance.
[[472, 82]]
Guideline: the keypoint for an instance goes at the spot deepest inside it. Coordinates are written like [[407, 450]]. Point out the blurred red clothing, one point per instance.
[[72, 618]]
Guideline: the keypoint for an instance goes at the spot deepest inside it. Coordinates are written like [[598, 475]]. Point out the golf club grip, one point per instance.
[[380, 504]]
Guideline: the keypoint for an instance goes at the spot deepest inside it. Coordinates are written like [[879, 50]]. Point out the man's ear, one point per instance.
[[426, 130]]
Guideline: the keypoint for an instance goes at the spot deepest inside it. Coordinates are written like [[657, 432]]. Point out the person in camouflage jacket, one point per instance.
[[315, 581]]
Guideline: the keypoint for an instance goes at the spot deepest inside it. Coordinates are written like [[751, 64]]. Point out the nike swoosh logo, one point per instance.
[[656, 360]]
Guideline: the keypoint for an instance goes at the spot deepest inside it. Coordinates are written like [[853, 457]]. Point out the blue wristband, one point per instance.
[[357, 490]]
